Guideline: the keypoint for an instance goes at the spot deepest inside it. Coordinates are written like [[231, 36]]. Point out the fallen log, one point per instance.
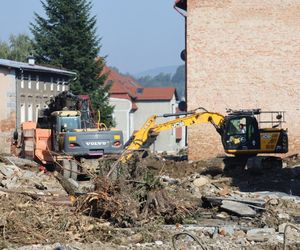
[[68, 186]]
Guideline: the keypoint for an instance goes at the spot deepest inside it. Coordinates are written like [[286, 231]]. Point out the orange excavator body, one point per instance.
[[36, 142]]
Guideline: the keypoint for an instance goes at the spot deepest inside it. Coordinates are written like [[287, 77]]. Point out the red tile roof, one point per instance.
[[125, 87], [156, 94], [121, 83]]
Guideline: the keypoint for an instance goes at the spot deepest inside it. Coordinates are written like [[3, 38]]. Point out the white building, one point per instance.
[[134, 104]]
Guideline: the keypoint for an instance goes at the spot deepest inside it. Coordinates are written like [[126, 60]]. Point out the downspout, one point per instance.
[[18, 115], [184, 14], [72, 80]]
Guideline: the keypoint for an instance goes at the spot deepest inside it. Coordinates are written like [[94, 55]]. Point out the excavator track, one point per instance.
[[252, 163]]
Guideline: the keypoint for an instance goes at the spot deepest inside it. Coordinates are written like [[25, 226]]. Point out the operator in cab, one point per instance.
[[242, 128]]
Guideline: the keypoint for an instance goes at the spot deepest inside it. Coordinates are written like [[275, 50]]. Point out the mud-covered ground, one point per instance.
[[146, 203]]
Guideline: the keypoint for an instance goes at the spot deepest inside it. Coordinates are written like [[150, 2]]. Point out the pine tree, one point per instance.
[[67, 38]]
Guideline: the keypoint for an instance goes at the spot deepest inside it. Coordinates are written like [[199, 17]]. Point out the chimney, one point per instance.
[[31, 60]]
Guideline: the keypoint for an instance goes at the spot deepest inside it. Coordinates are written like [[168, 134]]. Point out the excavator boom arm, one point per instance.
[[151, 128], [193, 119]]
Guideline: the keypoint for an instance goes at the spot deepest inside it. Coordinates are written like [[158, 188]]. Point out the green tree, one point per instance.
[[179, 75], [163, 78], [4, 50], [178, 80], [18, 48], [67, 38], [99, 97]]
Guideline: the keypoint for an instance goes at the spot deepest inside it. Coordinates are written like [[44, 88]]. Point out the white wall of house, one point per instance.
[[166, 141], [128, 121], [122, 115]]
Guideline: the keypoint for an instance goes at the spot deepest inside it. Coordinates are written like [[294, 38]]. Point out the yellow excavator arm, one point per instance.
[[150, 128]]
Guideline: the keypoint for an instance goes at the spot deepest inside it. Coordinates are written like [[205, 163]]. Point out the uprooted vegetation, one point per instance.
[[135, 196]]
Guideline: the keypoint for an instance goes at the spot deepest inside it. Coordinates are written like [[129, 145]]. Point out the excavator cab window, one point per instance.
[[237, 126], [241, 133], [69, 123]]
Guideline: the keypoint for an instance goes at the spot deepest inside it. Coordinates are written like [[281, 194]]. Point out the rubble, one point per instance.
[[261, 234], [238, 208], [201, 181], [144, 205]]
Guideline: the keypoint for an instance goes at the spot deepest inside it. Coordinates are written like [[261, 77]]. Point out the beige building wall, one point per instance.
[[121, 115], [242, 54], [8, 108], [35, 89], [166, 141]]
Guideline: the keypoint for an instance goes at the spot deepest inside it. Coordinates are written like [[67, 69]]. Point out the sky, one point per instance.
[[137, 35]]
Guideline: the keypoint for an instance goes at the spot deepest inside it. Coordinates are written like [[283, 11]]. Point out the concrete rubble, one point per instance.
[[160, 200]]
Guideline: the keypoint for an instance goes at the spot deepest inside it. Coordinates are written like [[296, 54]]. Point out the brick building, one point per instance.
[[241, 54], [25, 88]]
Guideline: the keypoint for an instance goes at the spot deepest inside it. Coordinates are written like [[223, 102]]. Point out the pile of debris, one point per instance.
[[135, 197], [143, 204]]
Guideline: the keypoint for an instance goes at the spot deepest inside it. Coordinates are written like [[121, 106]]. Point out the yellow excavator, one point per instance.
[[243, 133]]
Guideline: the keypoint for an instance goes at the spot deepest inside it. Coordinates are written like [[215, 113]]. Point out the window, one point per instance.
[[37, 82], [51, 85], [37, 108], [237, 126], [70, 123], [22, 112], [64, 85], [139, 90], [58, 85], [29, 110], [29, 81], [22, 81]]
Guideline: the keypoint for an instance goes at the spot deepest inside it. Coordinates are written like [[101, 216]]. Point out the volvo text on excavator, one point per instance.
[[244, 133]]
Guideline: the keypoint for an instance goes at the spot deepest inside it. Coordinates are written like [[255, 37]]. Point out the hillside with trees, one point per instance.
[[176, 80]]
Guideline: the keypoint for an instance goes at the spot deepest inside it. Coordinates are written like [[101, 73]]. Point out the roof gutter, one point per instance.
[[48, 71], [181, 6]]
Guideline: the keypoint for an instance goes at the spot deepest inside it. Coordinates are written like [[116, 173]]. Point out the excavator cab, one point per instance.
[[240, 133], [250, 132]]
